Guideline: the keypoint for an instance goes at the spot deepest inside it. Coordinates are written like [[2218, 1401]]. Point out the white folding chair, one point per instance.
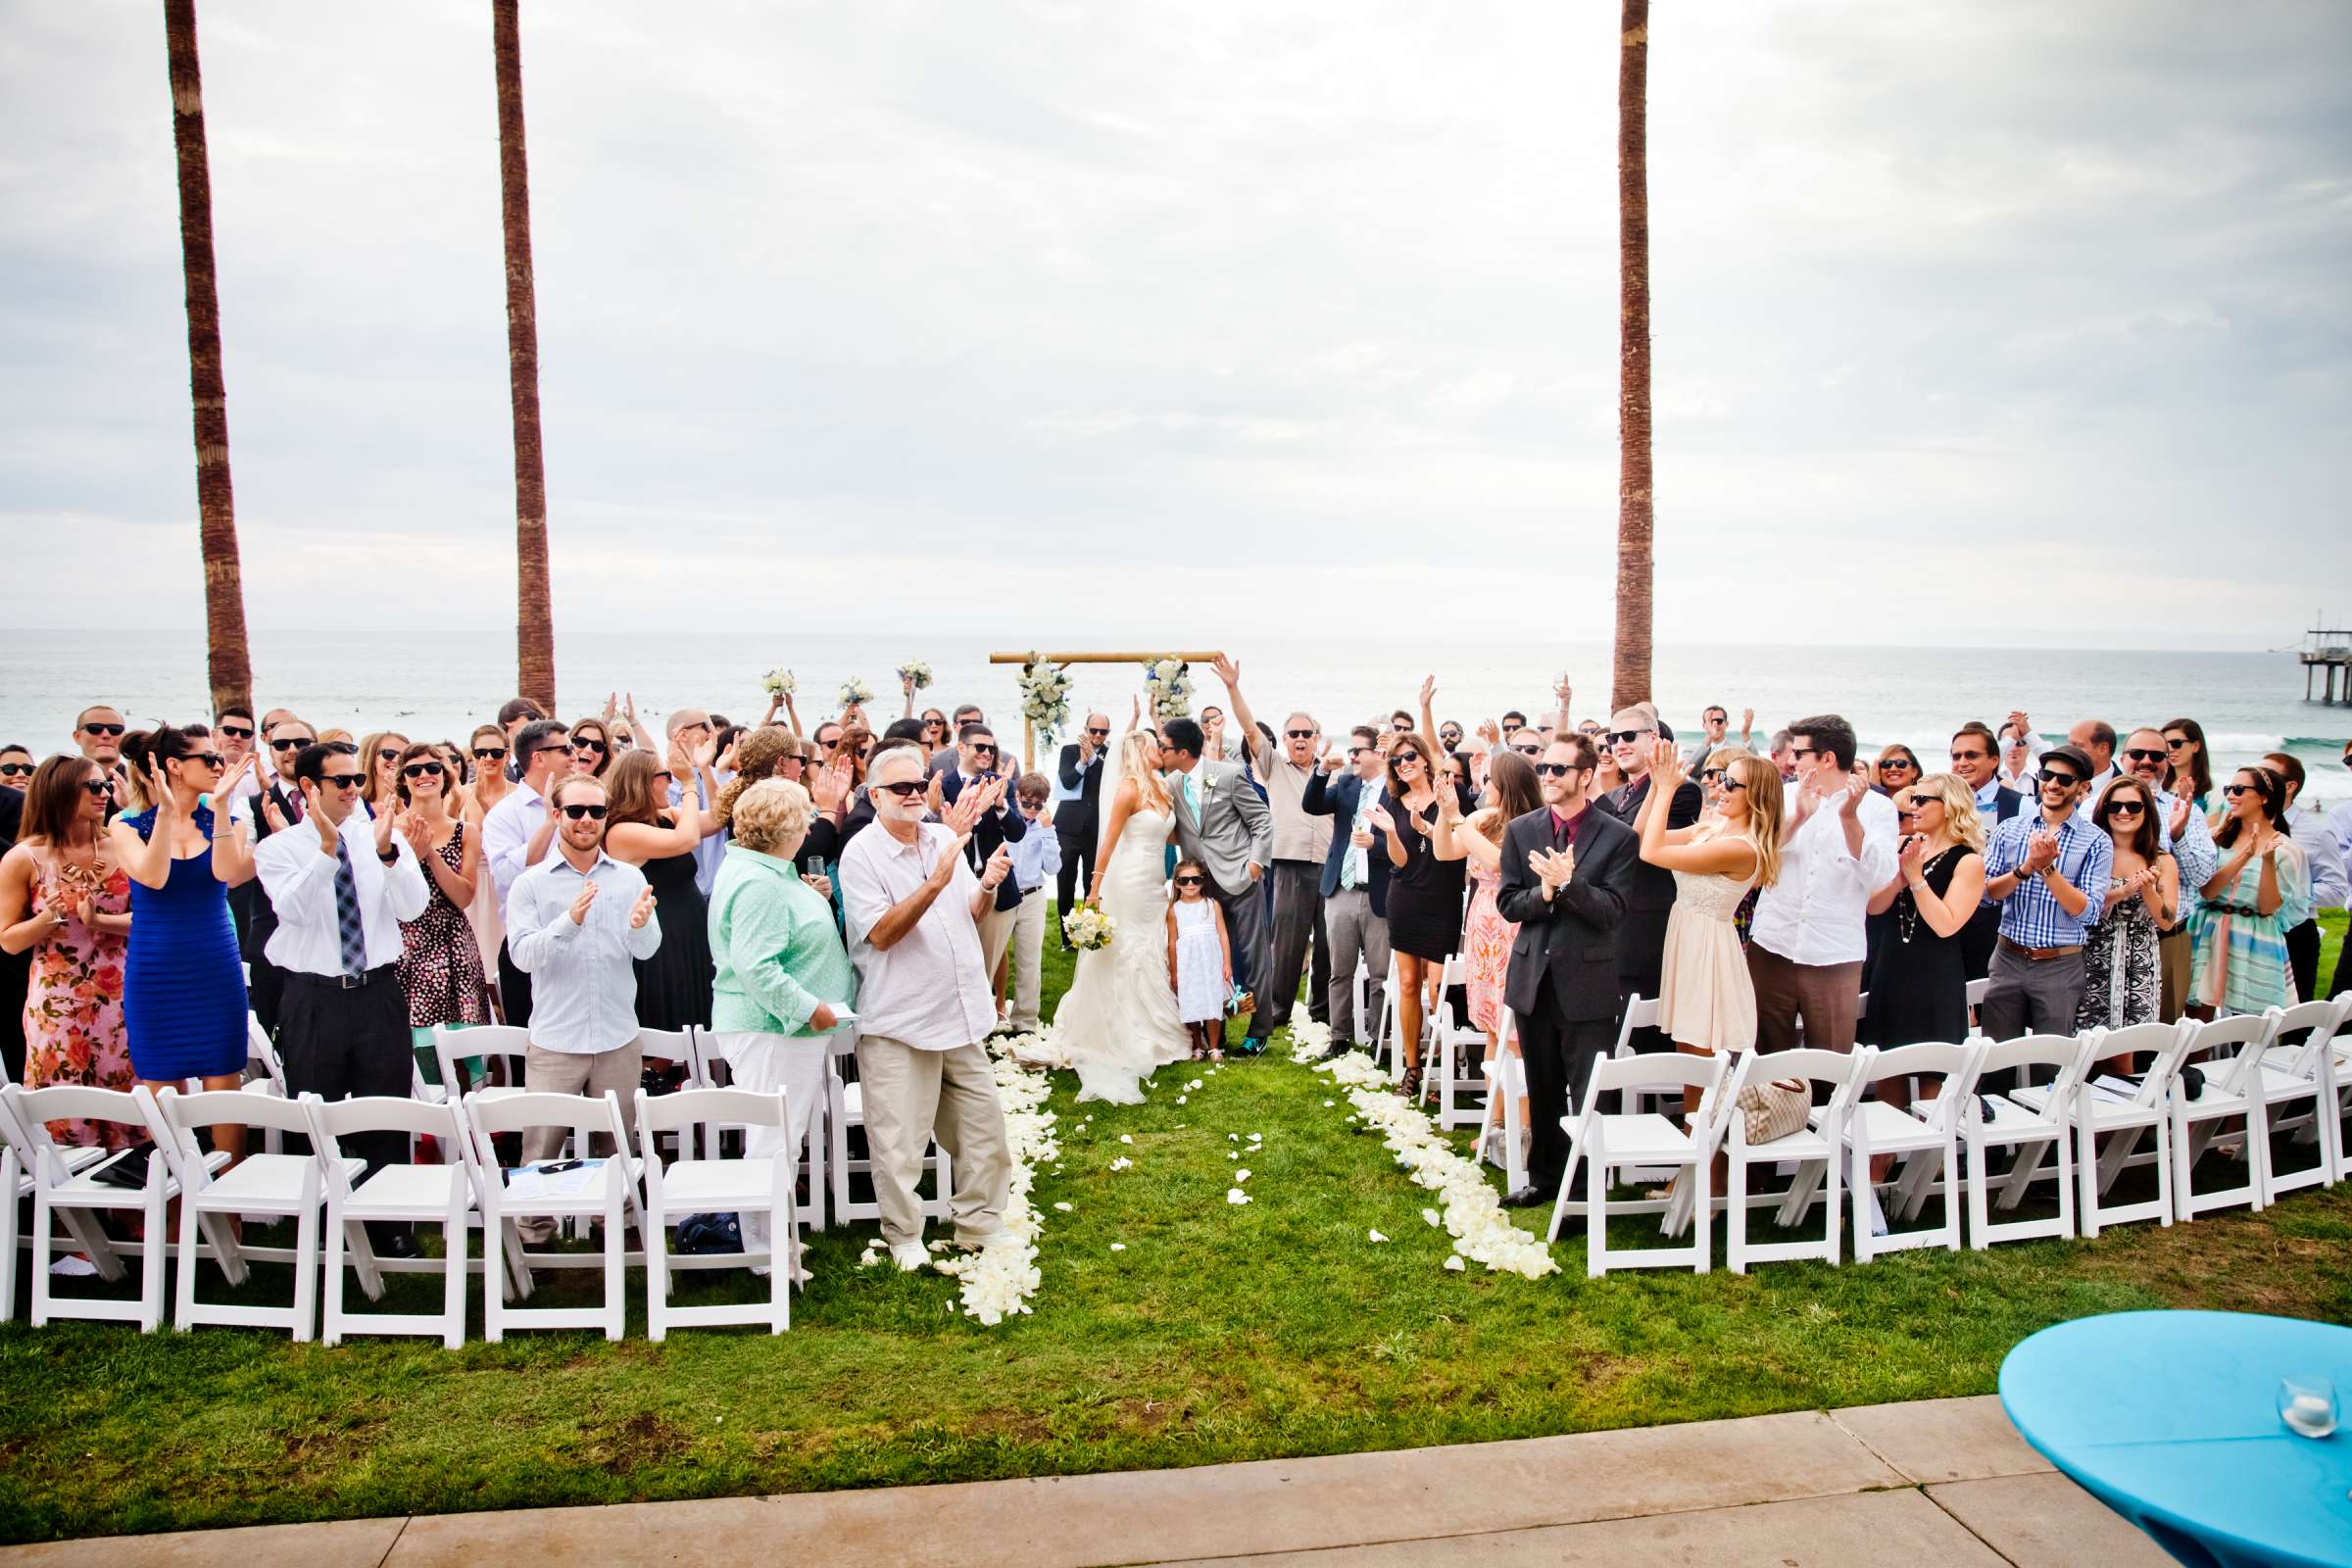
[[2032, 1134], [1976, 998], [77, 1198], [404, 1195], [264, 1074], [845, 1108], [275, 1185], [607, 1192], [1640, 1013], [1603, 1143], [1923, 1139], [16, 1186], [2111, 1117], [1361, 1026], [759, 1184], [2227, 1056], [1813, 1148], [509, 1044], [1459, 1084], [2306, 1076], [1507, 1079]]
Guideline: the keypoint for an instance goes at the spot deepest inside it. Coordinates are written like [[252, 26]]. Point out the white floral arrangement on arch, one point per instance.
[[915, 673], [779, 682], [854, 693], [1090, 930], [1473, 1214], [1168, 682], [1045, 696]]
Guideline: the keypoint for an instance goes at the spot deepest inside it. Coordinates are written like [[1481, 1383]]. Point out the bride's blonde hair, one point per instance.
[[1149, 790]]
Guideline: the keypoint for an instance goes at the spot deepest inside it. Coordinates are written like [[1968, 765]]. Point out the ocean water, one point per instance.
[[441, 684]]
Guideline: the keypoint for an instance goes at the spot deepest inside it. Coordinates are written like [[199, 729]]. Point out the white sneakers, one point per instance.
[[909, 1256]]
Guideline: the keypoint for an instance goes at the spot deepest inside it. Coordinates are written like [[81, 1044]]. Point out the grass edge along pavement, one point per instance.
[[1215, 1332]]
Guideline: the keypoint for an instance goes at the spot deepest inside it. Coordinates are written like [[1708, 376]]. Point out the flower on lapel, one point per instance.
[[1208, 782]]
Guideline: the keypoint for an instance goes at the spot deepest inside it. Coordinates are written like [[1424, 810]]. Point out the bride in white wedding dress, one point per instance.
[[1118, 1021]]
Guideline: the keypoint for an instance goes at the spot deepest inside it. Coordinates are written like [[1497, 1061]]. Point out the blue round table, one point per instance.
[[2172, 1420]]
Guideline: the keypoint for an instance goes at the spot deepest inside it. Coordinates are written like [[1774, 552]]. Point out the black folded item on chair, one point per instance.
[[2192, 1080], [710, 1233], [129, 1170]]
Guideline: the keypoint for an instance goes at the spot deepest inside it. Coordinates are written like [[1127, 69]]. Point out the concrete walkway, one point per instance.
[[1944, 1481]]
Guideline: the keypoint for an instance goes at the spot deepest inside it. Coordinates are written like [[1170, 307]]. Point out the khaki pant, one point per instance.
[[996, 937], [1028, 956], [565, 1073], [911, 1096], [2172, 956]]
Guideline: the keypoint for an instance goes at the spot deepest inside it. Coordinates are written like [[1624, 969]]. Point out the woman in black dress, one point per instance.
[[643, 829], [1425, 893], [1919, 984]]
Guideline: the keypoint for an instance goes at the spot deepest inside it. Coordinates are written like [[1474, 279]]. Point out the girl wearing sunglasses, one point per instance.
[[65, 903], [1413, 819], [379, 770], [2237, 932], [2122, 970], [441, 968], [643, 829], [592, 751]]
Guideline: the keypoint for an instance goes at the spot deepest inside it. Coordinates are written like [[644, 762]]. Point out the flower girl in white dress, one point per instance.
[[1200, 962]]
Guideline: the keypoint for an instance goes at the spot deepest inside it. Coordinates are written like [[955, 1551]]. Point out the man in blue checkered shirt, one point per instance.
[[2048, 871]]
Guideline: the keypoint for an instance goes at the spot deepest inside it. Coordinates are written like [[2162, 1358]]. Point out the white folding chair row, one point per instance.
[[752, 1184], [1603, 1143], [2111, 1117]]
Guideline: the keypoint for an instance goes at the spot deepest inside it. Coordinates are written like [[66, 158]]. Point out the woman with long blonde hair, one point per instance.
[[1918, 984], [1119, 1021], [1706, 1002]]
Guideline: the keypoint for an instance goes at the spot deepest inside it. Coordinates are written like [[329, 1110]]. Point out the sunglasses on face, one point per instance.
[[1403, 758], [1959, 757], [97, 787], [2173, 743], [101, 729], [209, 759], [2063, 781], [2125, 807], [294, 745], [422, 770], [1906, 811], [1801, 752], [907, 790], [1730, 784], [16, 770], [1188, 881], [1897, 764], [488, 753], [232, 732], [980, 750], [597, 747], [586, 813], [1555, 769], [2234, 791], [2142, 753], [1710, 776], [1626, 737], [339, 781], [1358, 751], [1528, 751], [1294, 734]]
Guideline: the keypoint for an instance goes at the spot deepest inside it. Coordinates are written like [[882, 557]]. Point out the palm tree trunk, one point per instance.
[[534, 615], [1630, 677], [229, 665]]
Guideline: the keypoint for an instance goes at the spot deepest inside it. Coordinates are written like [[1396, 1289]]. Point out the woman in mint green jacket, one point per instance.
[[783, 978]]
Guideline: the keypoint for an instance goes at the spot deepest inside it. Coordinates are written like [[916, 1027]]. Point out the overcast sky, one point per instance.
[[2009, 317]]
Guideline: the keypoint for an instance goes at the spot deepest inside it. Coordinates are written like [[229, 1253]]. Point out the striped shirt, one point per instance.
[[2031, 916]]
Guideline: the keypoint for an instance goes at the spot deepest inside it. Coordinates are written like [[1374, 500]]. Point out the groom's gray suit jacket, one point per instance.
[[1234, 828]]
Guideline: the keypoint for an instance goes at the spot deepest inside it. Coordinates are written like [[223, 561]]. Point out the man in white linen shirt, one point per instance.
[[925, 1005], [340, 885], [515, 837], [1807, 944], [577, 924]]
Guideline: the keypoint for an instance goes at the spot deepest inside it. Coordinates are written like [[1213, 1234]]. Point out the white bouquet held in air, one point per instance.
[[915, 673], [779, 682], [1090, 930], [856, 693], [1168, 682], [1045, 696]]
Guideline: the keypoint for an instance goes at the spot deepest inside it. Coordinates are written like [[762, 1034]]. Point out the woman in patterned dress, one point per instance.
[[1486, 937], [440, 962], [2121, 969], [2261, 889], [64, 900]]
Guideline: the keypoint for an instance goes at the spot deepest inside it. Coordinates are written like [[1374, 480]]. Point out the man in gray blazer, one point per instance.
[[1221, 822]]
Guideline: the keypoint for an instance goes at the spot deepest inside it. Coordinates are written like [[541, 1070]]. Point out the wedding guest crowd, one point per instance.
[[593, 879]]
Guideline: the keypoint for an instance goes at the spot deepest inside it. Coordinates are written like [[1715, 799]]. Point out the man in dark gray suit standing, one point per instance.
[[1078, 820], [1566, 870]]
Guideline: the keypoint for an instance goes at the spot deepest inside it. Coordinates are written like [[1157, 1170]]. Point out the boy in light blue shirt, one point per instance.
[[1036, 860]]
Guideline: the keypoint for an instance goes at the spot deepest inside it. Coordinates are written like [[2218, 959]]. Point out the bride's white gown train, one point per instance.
[[1118, 1020]]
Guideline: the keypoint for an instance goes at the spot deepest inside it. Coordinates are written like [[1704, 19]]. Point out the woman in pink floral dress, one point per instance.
[[1486, 937], [64, 900]]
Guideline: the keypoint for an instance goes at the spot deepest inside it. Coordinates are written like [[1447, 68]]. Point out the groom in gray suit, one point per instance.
[[1221, 822]]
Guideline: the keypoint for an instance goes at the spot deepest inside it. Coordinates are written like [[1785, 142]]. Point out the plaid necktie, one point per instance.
[[347, 913]]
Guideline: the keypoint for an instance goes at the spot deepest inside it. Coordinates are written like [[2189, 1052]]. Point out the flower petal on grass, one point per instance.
[[1235, 1196], [1374, 1236]]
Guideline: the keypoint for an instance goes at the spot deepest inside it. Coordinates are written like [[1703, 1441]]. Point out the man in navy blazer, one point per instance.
[[1565, 877], [1976, 758], [1355, 881], [1001, 824]]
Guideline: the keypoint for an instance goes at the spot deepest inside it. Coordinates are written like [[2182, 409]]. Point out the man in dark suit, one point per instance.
[[1078, 820], [1566, 872], [279, 806], [1649, 898], [1001, 824], [1976, 758], [1356, 882]]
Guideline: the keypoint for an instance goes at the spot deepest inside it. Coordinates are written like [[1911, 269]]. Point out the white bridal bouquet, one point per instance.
[[1090, 930], [916, 673], [1170, 682], [779, 682], [1045, 696], [856, 693]]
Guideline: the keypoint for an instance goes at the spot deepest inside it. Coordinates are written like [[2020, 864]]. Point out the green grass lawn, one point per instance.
[[1218, 1333]]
